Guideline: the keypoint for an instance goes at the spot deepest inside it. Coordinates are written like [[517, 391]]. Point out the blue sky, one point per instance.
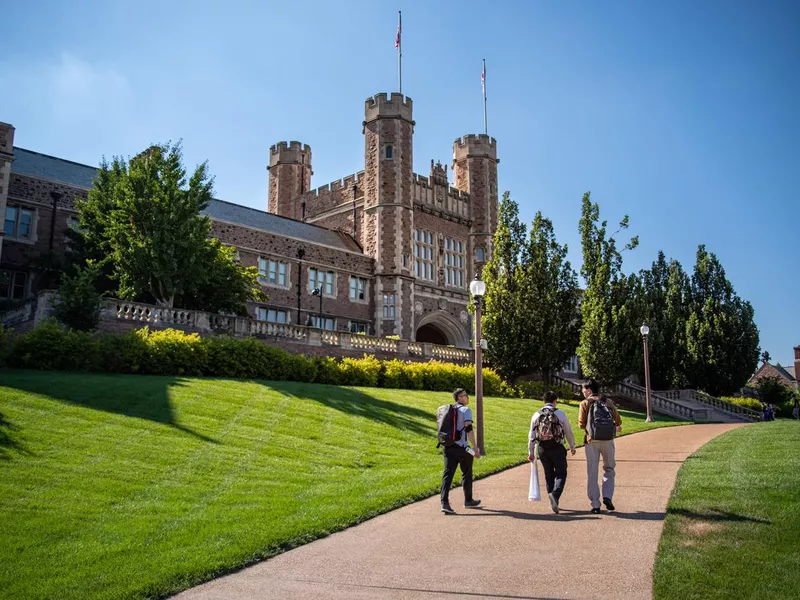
[[683, 114]]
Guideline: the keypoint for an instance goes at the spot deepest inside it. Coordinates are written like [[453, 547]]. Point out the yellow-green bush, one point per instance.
[[174, 352]]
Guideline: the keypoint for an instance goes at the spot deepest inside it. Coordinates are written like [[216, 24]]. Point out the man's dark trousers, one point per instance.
[[455, 456], [554, 463]]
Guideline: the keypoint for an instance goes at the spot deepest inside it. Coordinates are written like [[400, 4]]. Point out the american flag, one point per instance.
[[397, 38], [483, 78]]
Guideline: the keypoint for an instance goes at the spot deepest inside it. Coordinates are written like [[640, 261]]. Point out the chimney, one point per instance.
[[797, 365]]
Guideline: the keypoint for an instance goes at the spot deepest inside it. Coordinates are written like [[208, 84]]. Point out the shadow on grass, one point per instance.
[[138, 396], [354, 402], [712, 514], [8, 443]]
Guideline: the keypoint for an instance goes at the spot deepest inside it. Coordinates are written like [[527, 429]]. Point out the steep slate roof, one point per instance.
[[784, 372], [51, 168]]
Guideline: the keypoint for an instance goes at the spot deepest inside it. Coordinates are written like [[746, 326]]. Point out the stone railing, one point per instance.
[[115, 312], [663, 405], [711, 401], [203, 322], [152, 315], [724, 405], [18, 315]]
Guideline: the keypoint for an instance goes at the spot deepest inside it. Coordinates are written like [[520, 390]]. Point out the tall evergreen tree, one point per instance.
[[663, 306], [550, 295], [721, 335], [608, 338], [504, 317]]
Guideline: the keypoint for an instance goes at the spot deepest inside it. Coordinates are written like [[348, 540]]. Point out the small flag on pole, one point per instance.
[[483, 78], [483, 87], [397, 38], [398, 44]]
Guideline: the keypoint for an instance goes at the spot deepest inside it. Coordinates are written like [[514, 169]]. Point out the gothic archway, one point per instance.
[[442, 328]]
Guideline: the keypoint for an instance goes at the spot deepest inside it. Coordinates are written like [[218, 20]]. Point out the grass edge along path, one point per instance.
[[733, 520], [115, 486]]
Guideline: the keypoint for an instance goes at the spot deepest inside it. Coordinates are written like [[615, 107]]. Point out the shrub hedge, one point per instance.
[[50, 346]]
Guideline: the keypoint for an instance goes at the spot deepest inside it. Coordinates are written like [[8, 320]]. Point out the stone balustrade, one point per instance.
[[122, 315], [660, 403]]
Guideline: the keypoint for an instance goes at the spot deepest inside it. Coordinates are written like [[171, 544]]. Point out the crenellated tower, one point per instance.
[[475, 171], [389, 209], [289, 177], [6, 158]]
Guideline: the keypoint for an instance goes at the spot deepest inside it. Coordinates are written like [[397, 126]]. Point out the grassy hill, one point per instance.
[[117, 486]]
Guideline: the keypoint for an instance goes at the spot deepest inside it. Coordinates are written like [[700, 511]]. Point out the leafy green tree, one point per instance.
[[79, 302], [504, 318], [549, 293], [663, 305], [608, 338], [142, 224], [722, 344]]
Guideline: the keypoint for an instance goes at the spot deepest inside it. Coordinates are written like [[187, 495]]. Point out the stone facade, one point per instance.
[[393, 251]]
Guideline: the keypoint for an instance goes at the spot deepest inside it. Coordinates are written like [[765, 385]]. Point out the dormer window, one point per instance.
[[389, 151]]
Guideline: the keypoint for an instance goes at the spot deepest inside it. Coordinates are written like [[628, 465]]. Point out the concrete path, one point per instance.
[[508, 548]]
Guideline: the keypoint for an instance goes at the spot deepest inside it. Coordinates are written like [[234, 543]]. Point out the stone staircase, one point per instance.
[[686, 405]]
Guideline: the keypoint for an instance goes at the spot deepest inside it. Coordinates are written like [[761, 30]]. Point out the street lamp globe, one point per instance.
[[644, 329], [477, 288]]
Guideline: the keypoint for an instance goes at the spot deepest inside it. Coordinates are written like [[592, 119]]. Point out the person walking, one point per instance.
[[549, 427], [600, 420], [460, 455]]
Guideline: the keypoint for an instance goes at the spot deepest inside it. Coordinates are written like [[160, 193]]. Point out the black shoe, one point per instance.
[[446, 509], [596, 511], [608, 503], [471, 503], [553, 503]]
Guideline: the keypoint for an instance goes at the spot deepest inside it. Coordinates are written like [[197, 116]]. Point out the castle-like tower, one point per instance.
[[475, 168], [289, 178], [389, 209], [425, 239], [6, 158]]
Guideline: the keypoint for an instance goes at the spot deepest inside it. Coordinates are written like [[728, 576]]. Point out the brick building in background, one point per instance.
[[392, 252]]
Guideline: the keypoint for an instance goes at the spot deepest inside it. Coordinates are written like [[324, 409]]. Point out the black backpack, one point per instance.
[[548, 427], [447, 425], [600, 425]]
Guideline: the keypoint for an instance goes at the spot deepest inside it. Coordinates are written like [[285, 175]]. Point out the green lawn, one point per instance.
[[116, 486], [733, 522]]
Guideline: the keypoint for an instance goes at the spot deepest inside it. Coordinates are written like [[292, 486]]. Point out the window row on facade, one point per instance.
[[283, 317], [455, 270]]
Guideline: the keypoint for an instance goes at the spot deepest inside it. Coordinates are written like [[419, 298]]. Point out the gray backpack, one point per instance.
[[600, 424]]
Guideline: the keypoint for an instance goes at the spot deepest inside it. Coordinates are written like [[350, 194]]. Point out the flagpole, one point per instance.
[[400, 48], [485, 123]]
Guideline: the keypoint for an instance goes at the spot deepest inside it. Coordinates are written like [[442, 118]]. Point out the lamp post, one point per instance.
[[300, 255], [317, 291], [478, 288], [645, 330]]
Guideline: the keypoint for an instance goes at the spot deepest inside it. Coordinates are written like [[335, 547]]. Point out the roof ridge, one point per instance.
[[66, 160]]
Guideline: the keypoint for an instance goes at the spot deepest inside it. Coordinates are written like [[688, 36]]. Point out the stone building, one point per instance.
[[384, 251]]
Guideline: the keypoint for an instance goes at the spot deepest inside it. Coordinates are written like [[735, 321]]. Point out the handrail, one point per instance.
[[720, 404], [639, 394]]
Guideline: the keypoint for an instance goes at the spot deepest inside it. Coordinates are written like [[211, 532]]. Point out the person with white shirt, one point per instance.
[[549, 427]]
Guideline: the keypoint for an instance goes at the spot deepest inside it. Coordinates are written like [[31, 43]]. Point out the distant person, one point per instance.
[[549, 427], [600, 420], [460, 454]]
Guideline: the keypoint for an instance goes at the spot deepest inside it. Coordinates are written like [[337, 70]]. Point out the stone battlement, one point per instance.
[[425, 182], [345, 183], [388, 106], [289, 152], [480, 145]]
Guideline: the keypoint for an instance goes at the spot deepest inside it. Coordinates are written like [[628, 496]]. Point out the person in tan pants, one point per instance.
[[605, 429]]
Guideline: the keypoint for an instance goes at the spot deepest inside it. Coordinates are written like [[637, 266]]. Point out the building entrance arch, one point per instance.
[[440, 327]]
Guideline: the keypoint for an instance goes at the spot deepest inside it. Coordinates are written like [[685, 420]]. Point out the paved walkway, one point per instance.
[[508, 548]]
